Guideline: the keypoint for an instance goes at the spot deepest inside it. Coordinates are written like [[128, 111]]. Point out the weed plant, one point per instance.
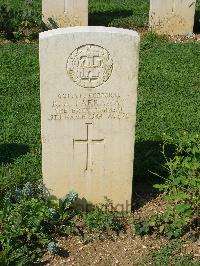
[[181, 190]]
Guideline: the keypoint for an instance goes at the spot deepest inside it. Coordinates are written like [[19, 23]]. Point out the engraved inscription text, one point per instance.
[[88, 106]]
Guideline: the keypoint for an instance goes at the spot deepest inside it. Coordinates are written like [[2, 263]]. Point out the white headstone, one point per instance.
[[89, 78], [172, 17], [65, 13]]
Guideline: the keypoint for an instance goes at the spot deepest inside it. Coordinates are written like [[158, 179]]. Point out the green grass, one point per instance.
[[129, 13], [169, 89], [20, 115], [168, 102], [23, 4]]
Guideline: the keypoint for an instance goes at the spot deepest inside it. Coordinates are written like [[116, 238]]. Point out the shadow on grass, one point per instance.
[[197, 22], [106, 17], [10, 152], [148, 160]]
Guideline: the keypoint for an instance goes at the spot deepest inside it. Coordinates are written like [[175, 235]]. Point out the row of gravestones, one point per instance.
[[89, 78], [173, 17]]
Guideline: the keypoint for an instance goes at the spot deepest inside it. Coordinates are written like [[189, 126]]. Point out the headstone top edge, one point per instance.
[[88, 29]]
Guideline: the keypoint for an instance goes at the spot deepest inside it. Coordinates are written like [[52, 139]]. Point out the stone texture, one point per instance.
[[89, 78], [65, 13], [172, 17]]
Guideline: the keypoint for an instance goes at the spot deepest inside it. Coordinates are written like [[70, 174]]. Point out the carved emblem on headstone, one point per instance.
[[89, 66]]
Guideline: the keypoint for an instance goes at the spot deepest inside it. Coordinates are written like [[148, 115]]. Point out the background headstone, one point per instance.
[[89, 78], [172, 17], [65, 13]]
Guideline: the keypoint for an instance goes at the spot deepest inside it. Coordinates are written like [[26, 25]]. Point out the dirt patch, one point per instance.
[[187, 38], [127, 248]]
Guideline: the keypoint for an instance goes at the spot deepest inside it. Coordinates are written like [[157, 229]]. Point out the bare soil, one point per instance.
[[127, 248]]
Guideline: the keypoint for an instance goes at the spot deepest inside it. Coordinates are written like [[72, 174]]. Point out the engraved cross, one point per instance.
[[89, 141]]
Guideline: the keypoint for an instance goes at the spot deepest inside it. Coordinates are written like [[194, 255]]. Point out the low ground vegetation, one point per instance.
[[168, 101], [181, 188]]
